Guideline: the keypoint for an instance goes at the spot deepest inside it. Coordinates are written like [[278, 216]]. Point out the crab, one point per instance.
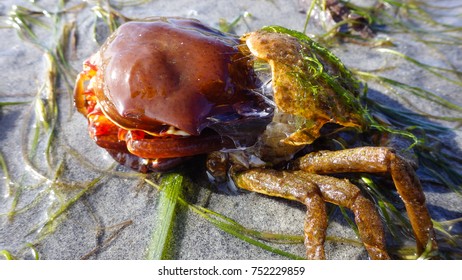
[[162, 91]]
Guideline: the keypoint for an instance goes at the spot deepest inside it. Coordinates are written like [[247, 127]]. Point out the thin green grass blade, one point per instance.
[[272, 237], [105, 243], [350, 222], [407, 119], [6, 174], [240, 231], [237, 230], [430, 96], [7, 255], [14, 204], [171, 189], [105, 11], [432, 69], [10, 103], [35, 253], [48, 226], [442, 169], [252, 236], [395, 221], [228, 27], [441, 228], [433, 160], [309, 13]]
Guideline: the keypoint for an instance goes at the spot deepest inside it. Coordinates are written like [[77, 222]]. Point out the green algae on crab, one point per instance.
[[309, 82]]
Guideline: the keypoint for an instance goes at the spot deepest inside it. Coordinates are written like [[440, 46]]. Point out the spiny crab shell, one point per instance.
[[170, 88]]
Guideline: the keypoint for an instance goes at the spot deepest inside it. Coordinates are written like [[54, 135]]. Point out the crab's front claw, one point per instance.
[[308, 82]]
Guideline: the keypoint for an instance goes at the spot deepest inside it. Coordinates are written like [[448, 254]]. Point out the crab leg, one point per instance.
[[380, 160], [79, 98], [315, 225], [177, 147], [312, 190]]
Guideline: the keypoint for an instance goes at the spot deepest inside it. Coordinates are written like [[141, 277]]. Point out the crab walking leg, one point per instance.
[[312, 190], [315, 226], [380, 160], [343, 193], [285, 185], [79, 93]]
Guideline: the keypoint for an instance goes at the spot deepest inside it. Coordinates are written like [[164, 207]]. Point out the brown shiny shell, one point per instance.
[[169, 71]]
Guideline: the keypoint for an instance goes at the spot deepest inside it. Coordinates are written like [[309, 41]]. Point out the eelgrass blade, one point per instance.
[[81, 159], [237, 230], [228, 27], [350, 222], [7, 255], [394, 218], [14, 204], [309, 14], [6, 174], [240, 231], [33, 250], [10, 103], [48, 226], [413, 12], [432, 69], [170, 190], [419, 92], [253, 237], [25, 21], [433, 161], [272, 237], [444, 228], [105, 11], [125, 3], [410, 120], [442, 169], [119, 228]]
